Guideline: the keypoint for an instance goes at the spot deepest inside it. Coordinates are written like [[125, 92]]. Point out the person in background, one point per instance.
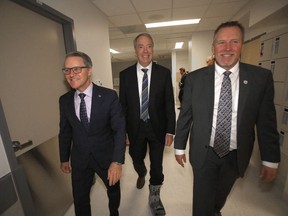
[[146, 96], [92, 135], [222, 131], [181, 84], [210, 60]]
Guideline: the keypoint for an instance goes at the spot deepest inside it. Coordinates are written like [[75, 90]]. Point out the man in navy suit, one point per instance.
[[252, 105], [155, 129], [96, 145]]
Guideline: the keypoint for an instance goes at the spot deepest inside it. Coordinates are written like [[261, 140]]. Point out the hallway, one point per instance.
[[248, 198]]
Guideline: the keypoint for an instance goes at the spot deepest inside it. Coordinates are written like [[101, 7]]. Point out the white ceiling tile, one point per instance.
[[190, 3], [228, 9], [125, 20], [151, 5], [189, 12], [156, 16], [114, 7]]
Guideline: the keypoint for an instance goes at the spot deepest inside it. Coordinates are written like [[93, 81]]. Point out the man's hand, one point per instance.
[[168, 139], [181, 159], [267, 174], [114, 173], [65, 167]]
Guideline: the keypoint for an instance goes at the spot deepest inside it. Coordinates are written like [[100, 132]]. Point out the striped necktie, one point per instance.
[[224, 116], [144, 96]]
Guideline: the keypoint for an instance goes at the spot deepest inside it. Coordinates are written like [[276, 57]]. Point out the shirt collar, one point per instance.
[[88, 91], [139, 67], [219, 70]]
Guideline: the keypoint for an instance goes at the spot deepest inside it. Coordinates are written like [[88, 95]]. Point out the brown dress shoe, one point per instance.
[[140, 182]]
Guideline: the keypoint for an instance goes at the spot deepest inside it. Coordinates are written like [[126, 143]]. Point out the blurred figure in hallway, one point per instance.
[[183, 74]]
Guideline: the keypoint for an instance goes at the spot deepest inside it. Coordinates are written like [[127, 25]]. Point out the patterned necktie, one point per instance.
[[144, 95], [224, 116], [83, 111]]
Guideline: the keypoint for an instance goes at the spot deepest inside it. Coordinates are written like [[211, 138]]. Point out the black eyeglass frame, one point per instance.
[[75, 70]]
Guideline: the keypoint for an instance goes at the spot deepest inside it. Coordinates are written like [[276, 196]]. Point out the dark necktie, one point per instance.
[[224, 116], [83, 111], [144, 96]]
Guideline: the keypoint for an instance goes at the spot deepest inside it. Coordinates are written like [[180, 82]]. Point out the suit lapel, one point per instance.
[[209, 87], [133, 86], [244, 84], [71, 107], [96, 104], [153, 82]]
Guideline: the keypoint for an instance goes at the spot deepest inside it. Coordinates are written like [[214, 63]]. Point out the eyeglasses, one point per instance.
[[75, 70]]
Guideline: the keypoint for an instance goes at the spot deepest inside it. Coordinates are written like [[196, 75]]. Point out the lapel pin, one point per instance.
[[245, 82], [99, 96]]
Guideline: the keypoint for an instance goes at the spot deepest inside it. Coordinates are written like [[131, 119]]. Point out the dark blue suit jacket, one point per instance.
[[105, 138], [255, 108]]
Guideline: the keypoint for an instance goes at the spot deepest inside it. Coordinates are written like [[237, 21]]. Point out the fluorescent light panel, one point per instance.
[[172, 23], [113, 51], [179, 45]]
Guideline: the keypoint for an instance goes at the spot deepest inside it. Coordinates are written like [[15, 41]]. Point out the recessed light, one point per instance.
[[172, 23], [113, 51], [179, 45]]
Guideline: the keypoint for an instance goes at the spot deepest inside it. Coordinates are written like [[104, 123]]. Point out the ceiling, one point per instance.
[[127, 19]]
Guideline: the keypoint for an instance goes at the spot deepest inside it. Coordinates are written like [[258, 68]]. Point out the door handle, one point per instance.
[[17, 145]]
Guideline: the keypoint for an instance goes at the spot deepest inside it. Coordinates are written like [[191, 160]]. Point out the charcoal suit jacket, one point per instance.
[[255, 108], [161, 101]]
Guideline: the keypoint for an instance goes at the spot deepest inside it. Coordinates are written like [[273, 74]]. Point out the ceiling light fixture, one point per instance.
[[113, 51], [179, 45], [172, 23]]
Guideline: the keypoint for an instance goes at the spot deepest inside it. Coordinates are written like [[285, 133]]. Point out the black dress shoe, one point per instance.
[[217, 214], [140, 182]]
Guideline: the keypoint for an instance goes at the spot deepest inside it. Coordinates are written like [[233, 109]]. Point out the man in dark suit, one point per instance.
[[92, 132], [150, 115], [251, 105]]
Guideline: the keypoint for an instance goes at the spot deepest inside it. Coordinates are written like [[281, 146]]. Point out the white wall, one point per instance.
[[201, 48], [91, 33], [182, 60]]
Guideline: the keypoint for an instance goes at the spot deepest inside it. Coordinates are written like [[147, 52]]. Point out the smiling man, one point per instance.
[[146, 96], [221, 106], [92, 135]]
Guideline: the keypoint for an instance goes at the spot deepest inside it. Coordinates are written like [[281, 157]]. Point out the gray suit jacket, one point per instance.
[[255, 108]]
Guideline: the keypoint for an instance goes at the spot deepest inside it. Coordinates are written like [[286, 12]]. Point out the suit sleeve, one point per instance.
[[268, 136], [65, 134], [170, 106], [122, 95], [118, 126], [185, 118]]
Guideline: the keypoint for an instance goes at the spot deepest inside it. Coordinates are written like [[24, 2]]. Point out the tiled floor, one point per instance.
[[249, 197]]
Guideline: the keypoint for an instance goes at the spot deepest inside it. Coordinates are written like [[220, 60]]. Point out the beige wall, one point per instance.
[[91, 33]]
